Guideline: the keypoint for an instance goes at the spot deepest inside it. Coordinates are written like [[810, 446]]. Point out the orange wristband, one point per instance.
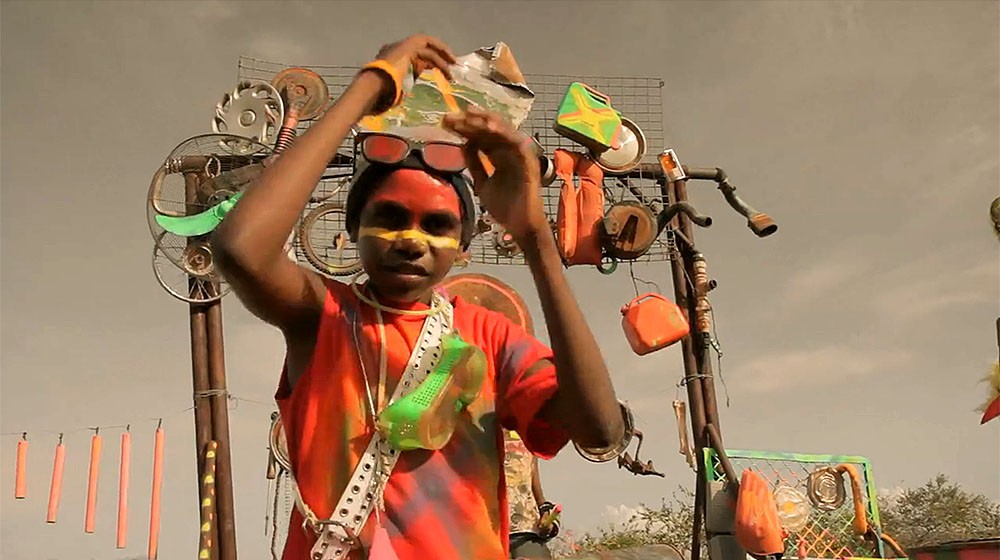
[[383, 67]]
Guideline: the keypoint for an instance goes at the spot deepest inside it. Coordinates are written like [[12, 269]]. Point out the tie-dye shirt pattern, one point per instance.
[[449, 504]]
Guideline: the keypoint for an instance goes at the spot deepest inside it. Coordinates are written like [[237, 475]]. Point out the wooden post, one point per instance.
[[201, 384], [220, 432]]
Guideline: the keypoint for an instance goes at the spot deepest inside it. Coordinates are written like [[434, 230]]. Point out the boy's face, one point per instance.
[[410, 230]]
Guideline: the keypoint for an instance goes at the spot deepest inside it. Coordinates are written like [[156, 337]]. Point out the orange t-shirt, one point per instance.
[[449, 504]]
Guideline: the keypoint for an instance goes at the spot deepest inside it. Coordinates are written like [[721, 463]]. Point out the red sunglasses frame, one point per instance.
[[417, 147]]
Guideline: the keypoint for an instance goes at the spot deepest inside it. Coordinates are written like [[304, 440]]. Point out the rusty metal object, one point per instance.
[[198, 260], [628, 230], [761, 224], [304, 90], [636, 465], [682, 207], [825, 489], [682, 298], [493, 294]]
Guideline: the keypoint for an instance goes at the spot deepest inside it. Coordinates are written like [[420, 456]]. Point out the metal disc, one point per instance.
[[489, 292], [304, 88], [825, 488], [628, 155], [252, 110], [205, 287]]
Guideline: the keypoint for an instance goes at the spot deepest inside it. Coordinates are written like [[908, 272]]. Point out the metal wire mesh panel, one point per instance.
[[638, 98], [828, 531]]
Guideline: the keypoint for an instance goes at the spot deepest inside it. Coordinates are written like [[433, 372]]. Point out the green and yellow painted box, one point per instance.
[[586, 117]]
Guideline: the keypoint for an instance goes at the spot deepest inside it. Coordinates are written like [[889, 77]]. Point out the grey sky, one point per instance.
[[868, 130]]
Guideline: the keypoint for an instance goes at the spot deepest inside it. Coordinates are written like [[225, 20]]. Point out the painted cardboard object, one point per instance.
[[488, 78]]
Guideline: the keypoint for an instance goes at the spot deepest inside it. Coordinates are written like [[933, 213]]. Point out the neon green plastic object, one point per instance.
[[201, 223], [426, 418]]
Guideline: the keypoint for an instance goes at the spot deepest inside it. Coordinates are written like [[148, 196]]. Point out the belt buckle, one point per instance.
[[326, 531]]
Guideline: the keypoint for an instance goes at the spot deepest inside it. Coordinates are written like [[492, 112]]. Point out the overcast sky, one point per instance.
[[869, 131]]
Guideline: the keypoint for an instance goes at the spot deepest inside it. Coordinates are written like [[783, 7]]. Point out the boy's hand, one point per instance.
[[419, 52], [511, 194]]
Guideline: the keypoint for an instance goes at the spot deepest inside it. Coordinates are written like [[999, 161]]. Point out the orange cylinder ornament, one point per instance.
[[95, 467], [154, 507], [57, 474], [20, 472], [123, 469]]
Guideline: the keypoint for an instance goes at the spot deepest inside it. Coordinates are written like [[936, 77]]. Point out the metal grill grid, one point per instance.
[[828, 534], [638, 98]]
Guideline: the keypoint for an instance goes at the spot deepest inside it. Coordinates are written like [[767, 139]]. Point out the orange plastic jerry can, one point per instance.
[[652, 322]]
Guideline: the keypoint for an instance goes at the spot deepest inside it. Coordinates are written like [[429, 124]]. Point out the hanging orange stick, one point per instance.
[[154, 508], [95, 467], [123, 488], [20, 473], [56, 489]]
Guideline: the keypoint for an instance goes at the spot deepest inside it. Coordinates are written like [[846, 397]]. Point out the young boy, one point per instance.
[[353, 350]]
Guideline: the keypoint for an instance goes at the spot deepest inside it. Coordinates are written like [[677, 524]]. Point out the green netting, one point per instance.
[[827, 534]]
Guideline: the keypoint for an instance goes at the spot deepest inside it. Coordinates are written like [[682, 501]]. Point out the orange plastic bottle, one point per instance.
[[652, 322]]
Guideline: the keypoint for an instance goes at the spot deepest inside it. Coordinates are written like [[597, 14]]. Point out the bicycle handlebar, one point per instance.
[[760, 223]]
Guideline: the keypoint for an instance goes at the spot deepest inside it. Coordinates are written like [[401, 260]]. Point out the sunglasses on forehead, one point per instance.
[[390, 149]]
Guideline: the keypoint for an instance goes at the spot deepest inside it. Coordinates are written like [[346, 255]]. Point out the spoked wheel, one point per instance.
[[196, 280], [199, 174], [325, 242]]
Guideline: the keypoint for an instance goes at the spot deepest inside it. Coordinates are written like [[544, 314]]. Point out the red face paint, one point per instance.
[[419, 192]]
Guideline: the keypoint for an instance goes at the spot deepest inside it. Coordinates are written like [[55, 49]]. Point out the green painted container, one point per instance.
[[586, 117]]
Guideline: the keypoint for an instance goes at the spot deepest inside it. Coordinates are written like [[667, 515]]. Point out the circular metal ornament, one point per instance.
[[303, 89], [825, 488], [629, 230], [629, 153], [278, 444], [793, 508], [325, 242], [204, 287], [252, 110]]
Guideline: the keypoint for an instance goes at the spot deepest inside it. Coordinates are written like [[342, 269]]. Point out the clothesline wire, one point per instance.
[[91, 428]]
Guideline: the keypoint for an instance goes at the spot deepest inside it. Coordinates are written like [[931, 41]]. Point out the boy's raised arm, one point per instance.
[[249, 244], [585, 403]]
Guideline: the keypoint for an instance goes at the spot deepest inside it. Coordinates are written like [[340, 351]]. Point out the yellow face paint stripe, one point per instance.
[[392, 235]]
